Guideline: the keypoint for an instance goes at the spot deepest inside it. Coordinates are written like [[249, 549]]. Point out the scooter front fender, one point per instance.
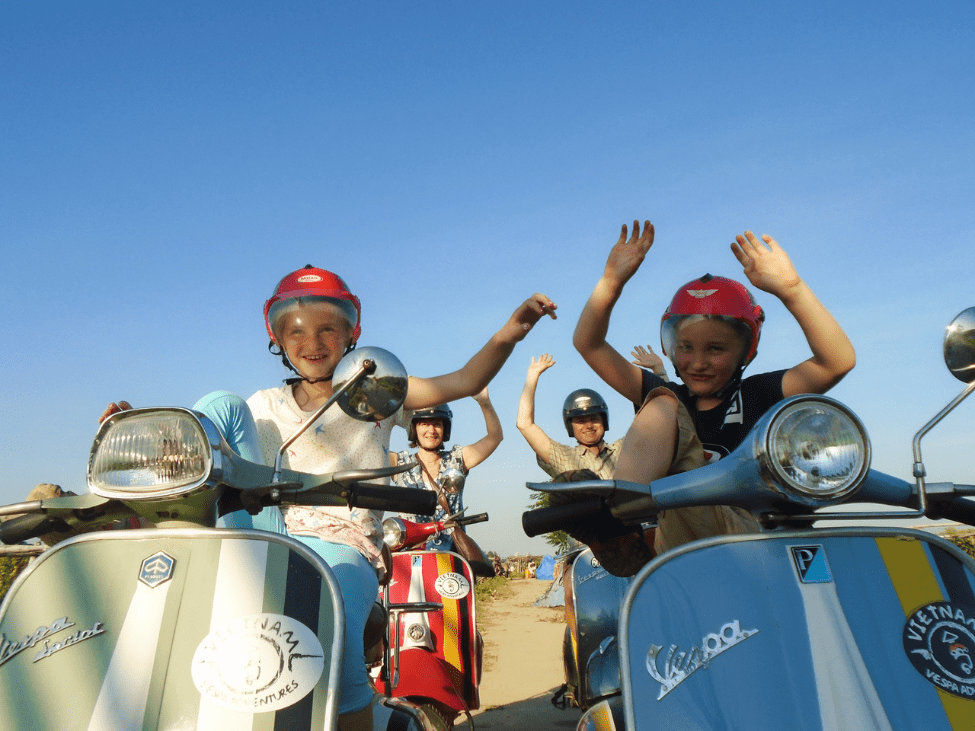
[[172, 629]]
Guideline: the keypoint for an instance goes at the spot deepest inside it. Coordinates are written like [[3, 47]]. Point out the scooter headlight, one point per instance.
[[817, 450], [149, 453], [394, 533]]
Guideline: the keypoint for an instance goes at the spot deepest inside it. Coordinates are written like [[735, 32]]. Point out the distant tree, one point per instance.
[[559, 538]]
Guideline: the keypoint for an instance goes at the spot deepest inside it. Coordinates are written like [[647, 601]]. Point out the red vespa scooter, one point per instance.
[[434, 653]]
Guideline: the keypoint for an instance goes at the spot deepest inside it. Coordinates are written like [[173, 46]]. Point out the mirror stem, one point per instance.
[[368, 366], [919, 472]]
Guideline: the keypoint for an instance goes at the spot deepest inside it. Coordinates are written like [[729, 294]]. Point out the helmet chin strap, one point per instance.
[[302, 377]]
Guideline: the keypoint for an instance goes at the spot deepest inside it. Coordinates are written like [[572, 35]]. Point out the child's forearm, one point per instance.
[[593, 325], [831, 348]]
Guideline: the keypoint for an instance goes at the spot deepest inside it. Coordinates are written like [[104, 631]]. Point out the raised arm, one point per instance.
[[768, 267], [479, 370], [480, 450], [590, 333], [537, 439], [646, 358]]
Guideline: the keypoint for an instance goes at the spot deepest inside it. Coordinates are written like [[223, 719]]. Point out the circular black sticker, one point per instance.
[[939, 639]]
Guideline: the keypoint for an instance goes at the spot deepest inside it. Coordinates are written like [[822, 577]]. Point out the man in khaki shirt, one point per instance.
[[586, 419]]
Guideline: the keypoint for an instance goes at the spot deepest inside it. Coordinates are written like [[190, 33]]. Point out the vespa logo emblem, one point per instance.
[[811, 564], [679, 666], [157, 569], [939, 640]]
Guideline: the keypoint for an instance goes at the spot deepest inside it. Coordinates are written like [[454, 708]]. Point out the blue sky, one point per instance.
[[164, 164]]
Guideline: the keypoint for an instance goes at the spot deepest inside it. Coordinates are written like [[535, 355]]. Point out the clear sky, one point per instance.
[[164, 164]]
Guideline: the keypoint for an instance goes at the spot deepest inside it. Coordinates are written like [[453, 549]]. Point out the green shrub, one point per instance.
[[493, 588], [10, 566], [965, 541]]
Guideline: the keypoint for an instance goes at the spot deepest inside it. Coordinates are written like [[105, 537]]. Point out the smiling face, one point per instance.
[[707, 354], [314, 336], [588, 429], [429, 433]]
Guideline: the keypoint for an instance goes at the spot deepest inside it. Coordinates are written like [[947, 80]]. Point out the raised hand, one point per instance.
[[647, 359], [538, 367], [628, 254], [482, 397], [767, 266], [528, 313]]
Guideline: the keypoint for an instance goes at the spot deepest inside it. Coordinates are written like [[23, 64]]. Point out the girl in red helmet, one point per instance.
[[313, 320], [710, 332]]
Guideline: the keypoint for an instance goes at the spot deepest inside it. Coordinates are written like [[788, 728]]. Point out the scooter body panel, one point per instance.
[[438, 656], [593, 601], [858, 628], [172, 629]]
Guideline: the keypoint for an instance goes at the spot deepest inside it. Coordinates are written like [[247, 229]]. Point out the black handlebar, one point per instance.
[[394, 499], [958, 509], [19, 529], [472, 519], [559, 517]]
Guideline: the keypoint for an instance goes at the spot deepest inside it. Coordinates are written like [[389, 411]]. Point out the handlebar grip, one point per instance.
[[957, 509], [472, 519], [19, 529], [394, 499], [558, 517]]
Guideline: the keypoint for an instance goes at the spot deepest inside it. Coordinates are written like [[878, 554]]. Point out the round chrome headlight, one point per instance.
[[818, 450], [394, 533], [149, 454]]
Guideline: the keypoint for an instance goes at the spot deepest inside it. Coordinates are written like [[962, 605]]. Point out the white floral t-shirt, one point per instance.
[[334, 442]]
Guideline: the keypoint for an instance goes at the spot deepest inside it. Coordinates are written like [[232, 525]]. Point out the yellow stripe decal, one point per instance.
[[914, 581], [451, 618]]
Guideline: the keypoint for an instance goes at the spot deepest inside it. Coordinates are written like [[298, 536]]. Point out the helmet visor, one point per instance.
[[280, 309]]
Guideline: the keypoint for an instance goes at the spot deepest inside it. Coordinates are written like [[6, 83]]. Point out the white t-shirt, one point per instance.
[[335, 442]]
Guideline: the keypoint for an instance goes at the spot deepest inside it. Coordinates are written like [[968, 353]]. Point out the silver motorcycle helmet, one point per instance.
[[441, 412], [582, 402]]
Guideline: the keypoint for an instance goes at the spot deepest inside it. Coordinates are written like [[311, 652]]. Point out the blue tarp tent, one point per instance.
[[546, 570]]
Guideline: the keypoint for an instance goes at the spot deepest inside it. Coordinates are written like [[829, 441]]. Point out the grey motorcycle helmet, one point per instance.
[[442, 412], [581, 402]]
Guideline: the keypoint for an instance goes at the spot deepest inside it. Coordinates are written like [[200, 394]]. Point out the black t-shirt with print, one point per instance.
[[724, 427]]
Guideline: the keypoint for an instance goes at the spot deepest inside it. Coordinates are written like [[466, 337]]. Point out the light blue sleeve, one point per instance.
[[233, 418]]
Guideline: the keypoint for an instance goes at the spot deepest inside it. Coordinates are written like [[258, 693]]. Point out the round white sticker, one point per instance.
[[452, 585], [258, 663], [309, 278]]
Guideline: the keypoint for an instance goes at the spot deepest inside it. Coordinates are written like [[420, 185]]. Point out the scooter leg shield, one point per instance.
[[865, 628], [160, 629]]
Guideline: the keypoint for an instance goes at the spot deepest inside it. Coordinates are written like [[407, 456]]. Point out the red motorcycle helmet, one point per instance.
[[716, 297], [311, 284]]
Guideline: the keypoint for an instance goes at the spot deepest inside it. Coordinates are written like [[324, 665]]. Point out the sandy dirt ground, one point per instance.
[[522, 662]]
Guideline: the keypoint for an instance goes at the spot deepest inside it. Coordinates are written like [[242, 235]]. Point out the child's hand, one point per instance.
[[647, 359], [537, 368], [627, 255], [767, 267], [114, 408], [528, 313]]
